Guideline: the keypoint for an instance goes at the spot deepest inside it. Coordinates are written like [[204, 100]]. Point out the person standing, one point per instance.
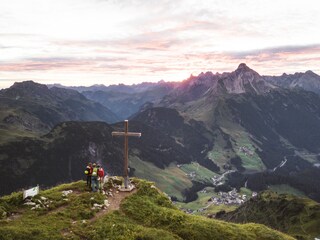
[[94, 178], [100, 175], [88, 173]]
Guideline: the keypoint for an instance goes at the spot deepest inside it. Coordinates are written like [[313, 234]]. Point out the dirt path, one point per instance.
[[114, 202], [15, 215]]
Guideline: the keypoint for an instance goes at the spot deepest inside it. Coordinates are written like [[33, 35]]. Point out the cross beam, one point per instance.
[[126, 134]]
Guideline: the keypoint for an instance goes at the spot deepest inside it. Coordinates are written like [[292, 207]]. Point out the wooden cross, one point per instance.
[[126, 134]]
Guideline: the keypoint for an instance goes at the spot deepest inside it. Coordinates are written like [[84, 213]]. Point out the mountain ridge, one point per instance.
[[308, 80], [36, 108], [283, 80], [299, 217]]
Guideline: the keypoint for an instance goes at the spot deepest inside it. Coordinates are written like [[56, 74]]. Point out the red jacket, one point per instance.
[[101, 172]]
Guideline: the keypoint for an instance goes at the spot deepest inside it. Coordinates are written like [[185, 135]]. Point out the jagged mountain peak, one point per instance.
[[308, 80], [242, 80], [243, 66], [245, 79], [311, 73]]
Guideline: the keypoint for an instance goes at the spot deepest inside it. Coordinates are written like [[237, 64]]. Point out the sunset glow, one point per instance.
[[85, 42]]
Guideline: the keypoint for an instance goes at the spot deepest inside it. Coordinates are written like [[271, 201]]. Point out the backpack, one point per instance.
[[87, 171], [94, 172]]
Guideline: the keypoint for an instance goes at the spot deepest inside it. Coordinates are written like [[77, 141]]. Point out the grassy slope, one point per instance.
[[202, 174], [285, 188], [202, 200], [146, 214], [12, 132], [299, 217], [171, 180], [46, 223], [11, 135], [221, 153]]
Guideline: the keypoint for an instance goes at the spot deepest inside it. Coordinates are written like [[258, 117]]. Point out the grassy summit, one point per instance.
[[145, 214]]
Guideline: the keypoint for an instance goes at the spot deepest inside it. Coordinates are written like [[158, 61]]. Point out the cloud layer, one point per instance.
[[83, 42]]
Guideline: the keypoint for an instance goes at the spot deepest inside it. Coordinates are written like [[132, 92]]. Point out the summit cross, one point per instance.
[[126, 135]]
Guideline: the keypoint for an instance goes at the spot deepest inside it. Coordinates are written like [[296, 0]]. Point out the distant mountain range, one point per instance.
[[239, 125], [135, 88], [225, 130], [31, 107], [308, 81], [251, 126], [126, 100]]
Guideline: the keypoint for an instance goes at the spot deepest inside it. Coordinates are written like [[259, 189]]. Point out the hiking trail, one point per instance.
[[114, 202]]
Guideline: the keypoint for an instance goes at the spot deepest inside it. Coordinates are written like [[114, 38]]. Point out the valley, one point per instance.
[[212, 131]]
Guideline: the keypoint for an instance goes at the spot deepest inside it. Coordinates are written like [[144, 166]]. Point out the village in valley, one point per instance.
[[208, 198], [211, 199]]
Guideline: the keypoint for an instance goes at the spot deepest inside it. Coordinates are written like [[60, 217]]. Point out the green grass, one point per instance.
[[241, 138], [238, 138], [170, 180], [213, 209], [158, 212], [47, 223], [299, 217], [245, 191], [202, 174], [13, 134], [219, 154], [147, 214], [202, 202], [285, 188]]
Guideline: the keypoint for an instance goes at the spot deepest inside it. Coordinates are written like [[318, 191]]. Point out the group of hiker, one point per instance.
[[95, 174]]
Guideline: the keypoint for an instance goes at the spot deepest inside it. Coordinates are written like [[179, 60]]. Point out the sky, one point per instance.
[[86, 42]]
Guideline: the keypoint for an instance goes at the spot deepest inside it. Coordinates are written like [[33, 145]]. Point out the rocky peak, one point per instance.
[[244, 79], [311, 74], [29, 85], [28, 89], [308, 80], [243, 68]]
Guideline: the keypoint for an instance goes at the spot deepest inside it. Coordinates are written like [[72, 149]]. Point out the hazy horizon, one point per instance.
[[87, 42], [135, 83]]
